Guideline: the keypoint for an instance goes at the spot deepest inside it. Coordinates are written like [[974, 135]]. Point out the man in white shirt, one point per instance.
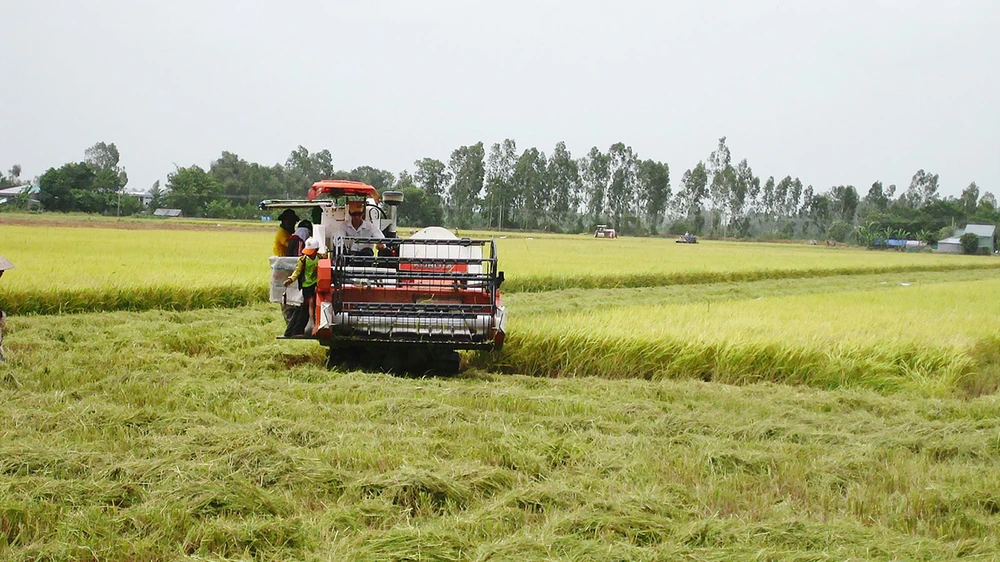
[[358, 227]]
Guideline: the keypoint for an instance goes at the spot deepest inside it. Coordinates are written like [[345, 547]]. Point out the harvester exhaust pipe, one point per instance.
[[393, 199]]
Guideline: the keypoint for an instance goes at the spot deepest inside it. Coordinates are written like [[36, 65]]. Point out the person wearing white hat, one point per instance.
[[5, 264], [307, 269]]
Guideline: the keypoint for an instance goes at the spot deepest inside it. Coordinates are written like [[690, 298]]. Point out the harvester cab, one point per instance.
[[409, 306]]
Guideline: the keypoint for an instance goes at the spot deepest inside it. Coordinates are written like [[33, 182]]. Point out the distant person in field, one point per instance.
[[5, 264], [297, 241], [357, 226], [288, 219], [307, 273]]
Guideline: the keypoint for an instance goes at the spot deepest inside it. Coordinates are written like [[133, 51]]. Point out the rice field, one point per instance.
[[723, 401], [165, 435], [62, 269], [928, 336]]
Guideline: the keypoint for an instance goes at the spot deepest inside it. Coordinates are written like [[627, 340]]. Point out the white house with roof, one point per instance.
[[144, 197], [8, 194], [987, 234]]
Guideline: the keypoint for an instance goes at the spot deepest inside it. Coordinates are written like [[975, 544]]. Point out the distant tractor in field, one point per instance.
[[605, 231], [688, 238]]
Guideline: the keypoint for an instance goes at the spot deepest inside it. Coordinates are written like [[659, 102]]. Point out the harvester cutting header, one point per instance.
[[415, 301]]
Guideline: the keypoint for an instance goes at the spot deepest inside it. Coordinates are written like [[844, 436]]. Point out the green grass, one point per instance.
[[165, 435]]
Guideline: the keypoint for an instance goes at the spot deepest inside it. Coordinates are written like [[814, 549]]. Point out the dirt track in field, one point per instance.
[[130, 224]]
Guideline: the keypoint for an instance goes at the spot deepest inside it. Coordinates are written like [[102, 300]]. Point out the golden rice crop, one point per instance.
[[196, 435], [926, 337], [583, 257], [93, 269], [81, 258]]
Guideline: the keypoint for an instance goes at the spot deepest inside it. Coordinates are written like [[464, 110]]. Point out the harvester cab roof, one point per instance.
[[421, 297]]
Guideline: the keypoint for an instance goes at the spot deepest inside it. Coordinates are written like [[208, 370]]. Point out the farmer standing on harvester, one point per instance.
[[5, 264]]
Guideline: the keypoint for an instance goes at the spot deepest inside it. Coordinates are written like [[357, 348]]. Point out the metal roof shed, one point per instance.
[[168, 213], [949, 246], [987, 234]]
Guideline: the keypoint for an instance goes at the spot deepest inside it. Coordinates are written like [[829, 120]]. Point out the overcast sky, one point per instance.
[[835, 92]]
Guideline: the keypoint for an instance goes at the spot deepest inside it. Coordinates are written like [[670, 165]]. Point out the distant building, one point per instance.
[[8, 194], [144, 198], [987, 234], [168, 213]]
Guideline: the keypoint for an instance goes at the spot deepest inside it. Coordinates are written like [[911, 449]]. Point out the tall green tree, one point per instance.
[[819, 212], [499, 182], [807, 200], [105, 159], [305, 168], [844, 202], [694, 190], [13, 177], [722, 181], [156, 196], [375, 177], [877, 198], [564, 181], [191, 190], [969, 198], [70, 188], [654, 183], [244, 184], [794, 195], [231, 172], [102, 156], [745, 188], [622, 190], [987, 201], [595, 173], [767, 199], [468, 172], [923, 190], [419, 207], [432, 175], [531, 199], [782, 191]]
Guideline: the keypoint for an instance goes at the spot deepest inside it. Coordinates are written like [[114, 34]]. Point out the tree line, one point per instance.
[[505, 187]]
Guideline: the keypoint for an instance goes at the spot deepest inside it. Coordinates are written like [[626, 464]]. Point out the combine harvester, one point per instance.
[[411, 307]]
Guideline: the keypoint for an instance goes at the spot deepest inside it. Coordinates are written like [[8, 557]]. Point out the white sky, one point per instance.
[[835, 92]]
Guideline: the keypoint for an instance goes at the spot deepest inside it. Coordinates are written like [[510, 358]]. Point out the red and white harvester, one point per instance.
[[413, 304]]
